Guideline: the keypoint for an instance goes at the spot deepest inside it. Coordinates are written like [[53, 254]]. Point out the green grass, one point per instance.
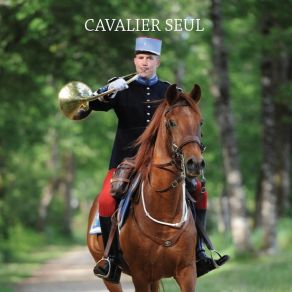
[[261, 275], [27, 252], [265, 274], [249, 273], [268, 274]]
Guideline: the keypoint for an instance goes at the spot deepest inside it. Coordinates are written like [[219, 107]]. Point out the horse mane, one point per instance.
[[146, 141]]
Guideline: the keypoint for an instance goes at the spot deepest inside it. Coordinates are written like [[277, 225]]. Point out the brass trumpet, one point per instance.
[[76, 95]]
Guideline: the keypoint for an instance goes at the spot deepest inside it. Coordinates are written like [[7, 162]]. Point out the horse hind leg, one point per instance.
[[95, 246]]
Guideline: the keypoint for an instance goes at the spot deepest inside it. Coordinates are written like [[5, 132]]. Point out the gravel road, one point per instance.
[[72, 272]]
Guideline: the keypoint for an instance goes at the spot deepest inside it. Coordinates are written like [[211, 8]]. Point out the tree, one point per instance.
[[239, 224], [276, 128]]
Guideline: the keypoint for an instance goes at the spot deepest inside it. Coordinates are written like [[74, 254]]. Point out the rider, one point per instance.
[[134, 107]]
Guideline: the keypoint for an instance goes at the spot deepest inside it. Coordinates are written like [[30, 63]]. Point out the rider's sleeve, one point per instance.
[[105, 105]]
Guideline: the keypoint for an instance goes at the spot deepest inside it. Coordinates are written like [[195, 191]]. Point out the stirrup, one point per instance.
[[214, 251], [113, 274], [210, 264], [107, 263]]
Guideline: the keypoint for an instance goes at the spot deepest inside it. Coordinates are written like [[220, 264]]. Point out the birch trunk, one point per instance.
[[220, 90], [269, 210]]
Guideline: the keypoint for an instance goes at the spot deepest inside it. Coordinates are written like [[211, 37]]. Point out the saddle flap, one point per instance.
[[125, 203], [95, 226], [122, 177]]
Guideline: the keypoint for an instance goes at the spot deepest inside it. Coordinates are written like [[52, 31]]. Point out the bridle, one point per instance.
[[177, 160]]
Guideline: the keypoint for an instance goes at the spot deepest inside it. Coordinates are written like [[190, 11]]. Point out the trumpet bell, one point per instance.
[[73, 97]]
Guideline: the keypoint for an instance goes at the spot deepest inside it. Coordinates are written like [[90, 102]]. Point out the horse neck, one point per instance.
[[168, 202]]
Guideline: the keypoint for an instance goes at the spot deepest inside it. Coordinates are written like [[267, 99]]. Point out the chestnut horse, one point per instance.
[[158, 239]]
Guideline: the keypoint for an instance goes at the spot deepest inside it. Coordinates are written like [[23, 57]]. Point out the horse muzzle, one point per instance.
[[194, 166]]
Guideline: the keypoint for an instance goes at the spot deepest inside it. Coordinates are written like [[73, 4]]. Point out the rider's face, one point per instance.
[[146, 64]]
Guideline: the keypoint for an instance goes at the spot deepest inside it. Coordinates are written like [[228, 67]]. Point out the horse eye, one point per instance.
[[172, 123], [201, 123]]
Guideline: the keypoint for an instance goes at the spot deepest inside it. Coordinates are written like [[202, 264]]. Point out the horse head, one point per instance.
[[183, 127]]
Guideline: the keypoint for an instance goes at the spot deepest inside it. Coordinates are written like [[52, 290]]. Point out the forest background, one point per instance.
[[51, 168]]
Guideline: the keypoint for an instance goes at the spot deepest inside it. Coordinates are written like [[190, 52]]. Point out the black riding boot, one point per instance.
[[108, 269], [204, 263]]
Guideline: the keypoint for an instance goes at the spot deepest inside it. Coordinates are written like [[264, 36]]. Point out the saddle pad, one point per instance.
[[95, 227], [125, 202]]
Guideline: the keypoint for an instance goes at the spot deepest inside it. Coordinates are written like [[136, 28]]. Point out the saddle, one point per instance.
[[124, 183], [122, 177]]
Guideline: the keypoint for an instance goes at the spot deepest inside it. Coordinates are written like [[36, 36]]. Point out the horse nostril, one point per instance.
[[191, 163]]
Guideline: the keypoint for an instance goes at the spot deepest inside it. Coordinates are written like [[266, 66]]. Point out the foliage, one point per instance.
[[43, 45]]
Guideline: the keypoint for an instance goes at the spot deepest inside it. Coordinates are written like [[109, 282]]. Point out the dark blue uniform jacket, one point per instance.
[[134, 109]]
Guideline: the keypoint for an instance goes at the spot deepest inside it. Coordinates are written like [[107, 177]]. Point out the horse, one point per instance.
[[158, 239]]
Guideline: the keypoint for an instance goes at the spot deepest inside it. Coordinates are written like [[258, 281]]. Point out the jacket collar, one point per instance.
[[147, 82]]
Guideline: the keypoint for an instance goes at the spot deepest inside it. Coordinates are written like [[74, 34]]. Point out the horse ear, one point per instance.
[[171, 94], [196, 93]]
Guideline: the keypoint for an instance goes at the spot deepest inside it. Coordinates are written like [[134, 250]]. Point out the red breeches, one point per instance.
[[201, 198], [106, 203]]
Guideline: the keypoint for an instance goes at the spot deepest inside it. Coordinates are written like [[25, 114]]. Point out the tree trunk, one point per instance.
[[53, 182], [180, 73], [220, 89], [276, 72], [224, 224], [66, 190], [283, 160], [283, 133], [257, 217], [5, 215], [269, 210]]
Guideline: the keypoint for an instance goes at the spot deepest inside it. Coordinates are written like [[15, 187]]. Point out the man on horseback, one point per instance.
[[134, 105]]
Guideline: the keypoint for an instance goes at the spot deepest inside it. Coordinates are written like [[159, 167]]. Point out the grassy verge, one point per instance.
[[21, 268], [250, 273], [265, 274], [27, 252]]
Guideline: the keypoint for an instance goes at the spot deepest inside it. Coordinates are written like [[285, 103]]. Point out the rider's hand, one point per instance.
[[118, 85]]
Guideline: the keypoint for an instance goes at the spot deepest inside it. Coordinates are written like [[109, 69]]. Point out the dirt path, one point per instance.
[[72, 272]]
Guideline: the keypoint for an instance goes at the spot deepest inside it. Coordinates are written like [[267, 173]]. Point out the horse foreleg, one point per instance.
[[141, 284], [186, 279], [155, 286], [113, 287]]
